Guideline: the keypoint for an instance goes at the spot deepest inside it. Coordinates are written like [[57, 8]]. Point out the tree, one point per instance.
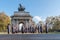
[[4, 20], [56, 25]]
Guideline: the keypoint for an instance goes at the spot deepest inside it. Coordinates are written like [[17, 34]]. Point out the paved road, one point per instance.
[[30, 37]]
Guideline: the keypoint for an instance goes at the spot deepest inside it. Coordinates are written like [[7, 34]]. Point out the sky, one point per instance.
[[40, 8]]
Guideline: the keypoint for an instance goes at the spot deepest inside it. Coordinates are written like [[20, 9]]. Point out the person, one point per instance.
[[8, 28], [30, 29], [25, 29], [22, 29], [12, 30], [41, 28], [38, 27], [33, 30], [46, 28]]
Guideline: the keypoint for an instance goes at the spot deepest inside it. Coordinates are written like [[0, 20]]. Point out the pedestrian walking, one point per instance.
[[46, 28], [8, 28], [41, 28], [12, 29], [22, 29], [38, 27]]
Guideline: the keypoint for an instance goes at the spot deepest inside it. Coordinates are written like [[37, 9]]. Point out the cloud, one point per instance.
[[37, 19]]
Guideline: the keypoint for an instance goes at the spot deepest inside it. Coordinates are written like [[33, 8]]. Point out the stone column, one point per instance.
[[17, 24], [13, 21], [27, 25]]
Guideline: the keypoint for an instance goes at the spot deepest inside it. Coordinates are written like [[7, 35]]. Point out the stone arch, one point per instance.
[[21, 24]]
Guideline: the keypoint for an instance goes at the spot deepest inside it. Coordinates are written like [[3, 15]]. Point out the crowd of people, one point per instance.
[[22, 29]]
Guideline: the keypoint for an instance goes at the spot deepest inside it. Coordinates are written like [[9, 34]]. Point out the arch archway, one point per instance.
[[21, 25]]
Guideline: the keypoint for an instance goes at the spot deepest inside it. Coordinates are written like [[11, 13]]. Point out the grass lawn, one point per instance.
[[54, 32], [33, 33]]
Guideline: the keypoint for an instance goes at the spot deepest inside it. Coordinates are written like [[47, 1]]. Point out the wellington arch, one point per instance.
[[21, 17]]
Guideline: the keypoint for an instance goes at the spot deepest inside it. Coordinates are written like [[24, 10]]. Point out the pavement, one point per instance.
[[3, 33], [20, 33], [29, 36]]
